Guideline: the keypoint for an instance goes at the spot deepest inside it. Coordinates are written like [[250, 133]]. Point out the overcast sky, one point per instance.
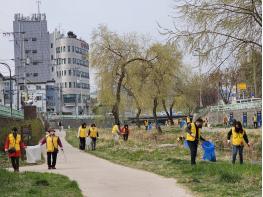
[[82, 16]]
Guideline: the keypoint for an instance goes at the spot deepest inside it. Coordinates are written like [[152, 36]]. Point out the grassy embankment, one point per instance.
[[148, 151], [37, 184]]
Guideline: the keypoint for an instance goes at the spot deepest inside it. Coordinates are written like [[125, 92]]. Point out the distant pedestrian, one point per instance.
[[52, 142], [93, 134], [82, 134], [238, 137], [146, 124], [60, 126], [225, 121], [255, 121], [115, 133], [150, 126], [125, 132], [193, 135], [13, 146]]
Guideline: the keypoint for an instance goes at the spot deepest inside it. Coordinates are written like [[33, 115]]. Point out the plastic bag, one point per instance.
[[88, 141], [186, 145], [116, 138], [209, 151], [33, 154]]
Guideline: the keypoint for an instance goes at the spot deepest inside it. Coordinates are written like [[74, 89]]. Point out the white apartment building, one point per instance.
[[70, 70]]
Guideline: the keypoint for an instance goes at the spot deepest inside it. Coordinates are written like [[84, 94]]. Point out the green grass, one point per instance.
[[37, 184], [205, 179]]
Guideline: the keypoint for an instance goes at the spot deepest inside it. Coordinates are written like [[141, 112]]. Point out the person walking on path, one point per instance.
[[13, 146], [52, 142], [93, 134], [238, 137], [255, 121], [115, 133], [225, 121], [145, 122], [125, 132], [193, 134], [82, 134]]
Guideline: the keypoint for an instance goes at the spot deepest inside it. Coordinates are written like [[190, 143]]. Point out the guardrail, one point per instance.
[[56, 117], [237, 106], [6, 112]]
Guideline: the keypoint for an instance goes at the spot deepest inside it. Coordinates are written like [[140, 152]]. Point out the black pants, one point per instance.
[[255, 125], [54, 159], [15, 163], [82, 143], [93, 143], [193, 150], [238, 149], [125, 137]]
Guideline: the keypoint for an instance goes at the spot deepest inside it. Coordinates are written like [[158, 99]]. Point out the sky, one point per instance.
[[83, 16]]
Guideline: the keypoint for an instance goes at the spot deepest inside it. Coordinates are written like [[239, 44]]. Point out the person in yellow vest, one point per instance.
[[193, 135], [238, 137], [93, 134], [82, 134], [13, 146], [116, 132], [52, 142], [255, 121]]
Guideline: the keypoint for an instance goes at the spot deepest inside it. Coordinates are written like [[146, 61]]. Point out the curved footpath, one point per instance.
[[101, 178]]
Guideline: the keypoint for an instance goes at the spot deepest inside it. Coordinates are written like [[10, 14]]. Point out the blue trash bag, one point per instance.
[[182, 123], [209, 151], [186, 145]]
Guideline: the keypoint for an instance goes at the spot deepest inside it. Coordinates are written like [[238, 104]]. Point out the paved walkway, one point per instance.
[[100, 178]]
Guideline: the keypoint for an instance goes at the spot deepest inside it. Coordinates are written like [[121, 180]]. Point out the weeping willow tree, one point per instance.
[[221, 29]]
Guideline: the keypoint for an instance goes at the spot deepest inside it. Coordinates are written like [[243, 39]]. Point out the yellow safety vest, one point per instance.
[[93, 132], [237, 138], [14, 142], [188, 120], [115, 129], [193, 132], [255, 118], [52, 142], [83, 132]]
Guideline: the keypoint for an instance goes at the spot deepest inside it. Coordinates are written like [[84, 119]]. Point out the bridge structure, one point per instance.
[[6, 112]]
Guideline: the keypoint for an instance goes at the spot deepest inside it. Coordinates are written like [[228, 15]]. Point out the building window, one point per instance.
[[57, 73], [27, 75], [38, 87], [34, 39], [25, 39], [65, 61], [34, 51], [69, 72], [38, 98], [51, 46], [66, 84], [62, 73], [27, 51], [72, 48], [68, 48], [35, 74], [74, 84], [65, 72], [52, 69], [52, 57], [69, 84], [64, 48], [35, 63], [69, 60]]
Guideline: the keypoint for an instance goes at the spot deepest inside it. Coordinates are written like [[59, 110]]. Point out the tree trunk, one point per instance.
[[155, 104], [169, 115], [138, 117], [115, 108], [171, 112]]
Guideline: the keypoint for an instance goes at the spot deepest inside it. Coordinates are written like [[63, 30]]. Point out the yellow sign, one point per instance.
[[242, 86]]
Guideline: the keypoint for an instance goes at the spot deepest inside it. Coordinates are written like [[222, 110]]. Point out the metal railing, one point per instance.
[[6, 112], [237, 106], [56, 117]]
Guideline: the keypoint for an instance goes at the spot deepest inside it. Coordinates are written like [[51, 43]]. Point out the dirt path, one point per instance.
[[100, 178]]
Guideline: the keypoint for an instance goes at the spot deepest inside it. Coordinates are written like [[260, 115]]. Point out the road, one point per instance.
[[101, 178]]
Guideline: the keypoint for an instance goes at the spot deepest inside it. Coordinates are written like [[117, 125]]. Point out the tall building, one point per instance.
[[70, 70], [31, 47]]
